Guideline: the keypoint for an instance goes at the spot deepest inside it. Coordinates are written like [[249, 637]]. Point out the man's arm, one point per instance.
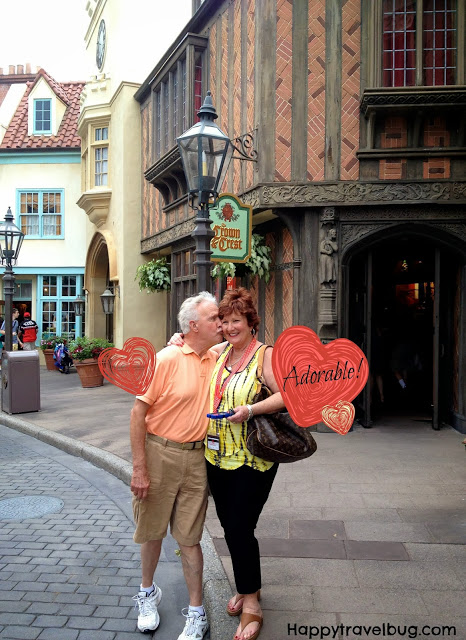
[[140, 479]]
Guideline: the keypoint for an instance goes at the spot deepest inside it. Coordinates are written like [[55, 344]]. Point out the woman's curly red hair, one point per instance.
[[239, 301]]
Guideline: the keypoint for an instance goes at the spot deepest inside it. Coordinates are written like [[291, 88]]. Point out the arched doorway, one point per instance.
[[403, 307], [97, 278]]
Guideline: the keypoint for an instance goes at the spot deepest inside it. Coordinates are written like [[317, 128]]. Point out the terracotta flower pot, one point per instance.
[[89, 373], [49, 361]]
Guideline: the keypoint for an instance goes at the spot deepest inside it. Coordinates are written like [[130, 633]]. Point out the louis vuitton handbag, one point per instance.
[[274, 436]]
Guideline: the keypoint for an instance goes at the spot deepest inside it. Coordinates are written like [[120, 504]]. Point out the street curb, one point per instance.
[[217, 589]]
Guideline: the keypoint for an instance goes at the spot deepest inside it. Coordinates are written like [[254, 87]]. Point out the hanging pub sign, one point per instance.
[[232, 225]]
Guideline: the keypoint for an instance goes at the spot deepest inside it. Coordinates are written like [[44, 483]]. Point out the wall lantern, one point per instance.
[[108, 301], [79, 306]]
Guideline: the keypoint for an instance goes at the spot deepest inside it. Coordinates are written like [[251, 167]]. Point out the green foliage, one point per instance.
[[260, 261], [258, 264], [85, 348], [154, 276], [223, 270]]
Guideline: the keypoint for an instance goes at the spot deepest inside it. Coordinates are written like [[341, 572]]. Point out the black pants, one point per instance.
[[239, 496]]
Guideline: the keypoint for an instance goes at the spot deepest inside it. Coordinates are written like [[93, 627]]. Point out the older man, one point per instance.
[[168, 426]]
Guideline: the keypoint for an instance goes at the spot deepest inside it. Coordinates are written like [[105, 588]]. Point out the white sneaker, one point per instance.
[[195, 627], [148, 618]]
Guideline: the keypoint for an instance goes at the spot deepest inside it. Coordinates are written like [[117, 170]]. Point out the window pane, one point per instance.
[[183, 93], [399, 43], [49, 286], [197, 84], [158, 124], [42, 115], [68, 320], [30, 225], [49, 318], [439, 42], [175, 105], [166, 110], [51, 225], [68, 287]]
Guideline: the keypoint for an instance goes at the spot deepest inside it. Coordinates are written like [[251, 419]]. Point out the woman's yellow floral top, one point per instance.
[[240, 390]]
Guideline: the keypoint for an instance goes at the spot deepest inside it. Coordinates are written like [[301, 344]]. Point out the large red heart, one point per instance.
[[131, 368], [311, 375], [340, 417]]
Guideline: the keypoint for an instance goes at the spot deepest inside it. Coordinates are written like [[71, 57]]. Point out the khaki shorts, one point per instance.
[[177, 495]]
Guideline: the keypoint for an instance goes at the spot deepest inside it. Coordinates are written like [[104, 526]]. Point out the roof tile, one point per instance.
[[16, 136]]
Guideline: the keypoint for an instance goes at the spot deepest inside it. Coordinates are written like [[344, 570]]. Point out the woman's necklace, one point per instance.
[[232, 364], [219, 386]]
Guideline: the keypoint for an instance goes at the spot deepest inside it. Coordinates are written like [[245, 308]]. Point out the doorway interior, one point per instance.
[[402, 294]]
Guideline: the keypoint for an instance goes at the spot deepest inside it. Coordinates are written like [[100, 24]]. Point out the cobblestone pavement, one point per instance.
[[70, 575]]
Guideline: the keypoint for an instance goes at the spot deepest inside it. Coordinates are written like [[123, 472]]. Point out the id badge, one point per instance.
[[213, 442]]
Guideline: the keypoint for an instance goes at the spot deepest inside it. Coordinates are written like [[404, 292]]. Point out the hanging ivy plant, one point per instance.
[[154, 276], [259, 262]]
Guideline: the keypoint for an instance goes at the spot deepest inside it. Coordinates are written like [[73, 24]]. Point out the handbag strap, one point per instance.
[[260, 362]]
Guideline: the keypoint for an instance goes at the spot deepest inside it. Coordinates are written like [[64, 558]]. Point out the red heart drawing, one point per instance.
[[340, 417], [131, 368], [311, 375]]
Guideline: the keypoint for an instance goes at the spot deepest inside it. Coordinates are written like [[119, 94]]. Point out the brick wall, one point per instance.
[[351, 55], [284, 91], [436, 133], [394, 136], [435, 168]]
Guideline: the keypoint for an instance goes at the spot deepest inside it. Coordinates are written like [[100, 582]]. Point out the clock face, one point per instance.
[[101, 42]]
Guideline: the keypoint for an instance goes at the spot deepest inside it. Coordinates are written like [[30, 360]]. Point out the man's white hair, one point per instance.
[[189, 309]]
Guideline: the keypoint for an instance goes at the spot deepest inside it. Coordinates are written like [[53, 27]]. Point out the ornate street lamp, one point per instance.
[[79, 306], [11, 239], [206, 153], [108, 301]]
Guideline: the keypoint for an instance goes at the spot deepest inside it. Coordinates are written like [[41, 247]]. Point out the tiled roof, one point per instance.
[[16, 136]]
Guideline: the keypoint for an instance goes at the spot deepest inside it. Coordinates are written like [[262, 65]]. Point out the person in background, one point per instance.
[[28, 330], [16, 340]]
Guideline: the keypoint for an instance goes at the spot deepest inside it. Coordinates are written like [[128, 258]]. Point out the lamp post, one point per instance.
[[11, 239], [206, 153]]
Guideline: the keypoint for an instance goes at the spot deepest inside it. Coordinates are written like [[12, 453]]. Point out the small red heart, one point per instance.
[[340, 417], [131, 368], [311, 375]]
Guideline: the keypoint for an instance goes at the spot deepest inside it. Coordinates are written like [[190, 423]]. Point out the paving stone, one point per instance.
[[363, 550], [14, 632], [112, 612], [49, 622], [381, 601], [448, 532], [58, 634], [407, 575], [47, 608], [387, 531], [123, 624], [98, 635], [81, 622], [317, 529]]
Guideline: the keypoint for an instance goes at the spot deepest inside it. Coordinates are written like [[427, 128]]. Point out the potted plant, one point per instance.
[[47, 345], [258, 264], [85, 353], [154, 276]]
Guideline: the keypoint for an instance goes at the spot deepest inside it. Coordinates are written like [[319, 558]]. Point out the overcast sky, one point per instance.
[[50, 34]]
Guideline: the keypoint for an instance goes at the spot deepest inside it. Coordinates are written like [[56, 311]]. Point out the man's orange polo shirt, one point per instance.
[[179, 394]]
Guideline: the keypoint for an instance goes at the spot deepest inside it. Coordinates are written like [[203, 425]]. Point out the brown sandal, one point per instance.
[[247, 618], [238, 612]]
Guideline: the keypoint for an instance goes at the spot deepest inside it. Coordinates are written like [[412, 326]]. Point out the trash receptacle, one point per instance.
[[20, 381]]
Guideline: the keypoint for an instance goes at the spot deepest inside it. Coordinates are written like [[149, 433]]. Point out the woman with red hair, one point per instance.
[[240, 482]]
